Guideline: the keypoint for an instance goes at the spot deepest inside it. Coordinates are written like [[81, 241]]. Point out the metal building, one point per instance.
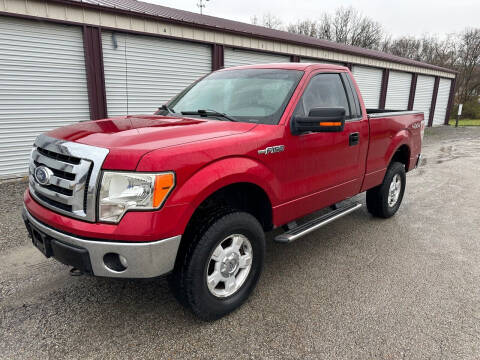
[[63, 61]]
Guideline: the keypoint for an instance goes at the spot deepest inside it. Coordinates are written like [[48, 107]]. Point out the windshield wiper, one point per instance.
[[209, 112], [167, 109]]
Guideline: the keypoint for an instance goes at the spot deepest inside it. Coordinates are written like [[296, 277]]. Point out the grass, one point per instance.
[[465, 122]]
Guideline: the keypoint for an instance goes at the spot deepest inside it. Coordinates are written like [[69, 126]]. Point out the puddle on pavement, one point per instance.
[[464, 149], [451, 150]]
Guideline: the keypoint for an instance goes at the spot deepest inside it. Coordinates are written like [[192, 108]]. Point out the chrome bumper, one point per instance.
[[144, 260]]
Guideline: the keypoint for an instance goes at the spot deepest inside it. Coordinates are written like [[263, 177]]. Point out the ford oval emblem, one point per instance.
[[43, 175]]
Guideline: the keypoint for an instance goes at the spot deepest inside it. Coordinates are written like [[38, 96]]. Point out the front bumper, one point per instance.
[[143, 260]]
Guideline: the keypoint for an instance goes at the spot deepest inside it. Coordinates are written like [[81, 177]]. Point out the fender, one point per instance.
[[374, 176], [403, 137], [221, 173]]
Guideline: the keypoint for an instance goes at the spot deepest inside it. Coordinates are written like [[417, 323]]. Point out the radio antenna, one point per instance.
[[201, 5]]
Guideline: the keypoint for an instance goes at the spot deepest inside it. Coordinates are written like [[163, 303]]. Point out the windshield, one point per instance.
[[249, 95]]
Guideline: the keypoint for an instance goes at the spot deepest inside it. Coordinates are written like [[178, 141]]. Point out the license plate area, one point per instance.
[[41, 242]]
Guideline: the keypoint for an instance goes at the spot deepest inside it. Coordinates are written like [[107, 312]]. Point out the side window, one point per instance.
[[324, 90]]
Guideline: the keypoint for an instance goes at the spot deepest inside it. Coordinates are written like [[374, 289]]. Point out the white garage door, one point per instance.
[[236, 57], [149, 70], [319, 61], [398, 90], [442, 102], [423, 95], [42, 86], [369, 81]]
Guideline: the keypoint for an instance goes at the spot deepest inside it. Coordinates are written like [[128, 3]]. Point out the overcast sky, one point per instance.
[[399, 17]]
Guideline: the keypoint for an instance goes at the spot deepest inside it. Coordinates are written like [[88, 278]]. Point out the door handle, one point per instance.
[[354, 139]]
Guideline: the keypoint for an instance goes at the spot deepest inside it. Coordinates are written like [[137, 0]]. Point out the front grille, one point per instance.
[[59, 189], [73, 174], [61, 157], [54, 203], [56, 172]]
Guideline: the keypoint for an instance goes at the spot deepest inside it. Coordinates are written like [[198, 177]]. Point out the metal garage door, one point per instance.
[[319, 61], [369, 81], [43, 86], [398, 90], [149, 70], [423, 95], [236, 57], [442, 102]]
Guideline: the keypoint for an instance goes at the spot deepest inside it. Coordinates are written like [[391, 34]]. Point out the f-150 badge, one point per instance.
[[271, 150]]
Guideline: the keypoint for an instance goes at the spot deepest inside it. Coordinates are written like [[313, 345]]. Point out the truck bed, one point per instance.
[[375, 113]]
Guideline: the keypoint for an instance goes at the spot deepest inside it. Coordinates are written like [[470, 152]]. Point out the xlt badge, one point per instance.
[[272, 149]]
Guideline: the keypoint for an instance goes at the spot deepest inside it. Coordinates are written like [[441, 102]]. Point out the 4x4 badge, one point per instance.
[[272, 149]]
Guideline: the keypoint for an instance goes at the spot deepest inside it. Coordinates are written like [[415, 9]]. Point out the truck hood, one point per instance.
[[128, 138]]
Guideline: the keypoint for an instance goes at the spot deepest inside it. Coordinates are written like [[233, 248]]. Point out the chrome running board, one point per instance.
[[317, 223]]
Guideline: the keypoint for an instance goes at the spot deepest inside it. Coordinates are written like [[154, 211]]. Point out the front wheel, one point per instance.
[[221, 266], [385, 199]]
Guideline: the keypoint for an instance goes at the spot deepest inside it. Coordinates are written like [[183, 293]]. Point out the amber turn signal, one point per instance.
[[163, 184], [330, 123]]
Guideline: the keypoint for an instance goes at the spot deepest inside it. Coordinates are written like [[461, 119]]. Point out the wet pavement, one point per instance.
[[403, 288]]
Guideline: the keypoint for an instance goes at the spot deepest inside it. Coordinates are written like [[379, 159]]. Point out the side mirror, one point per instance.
[[320, 120]]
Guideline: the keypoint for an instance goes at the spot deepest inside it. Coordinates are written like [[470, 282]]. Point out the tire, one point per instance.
[[378, 202], [203, 259]]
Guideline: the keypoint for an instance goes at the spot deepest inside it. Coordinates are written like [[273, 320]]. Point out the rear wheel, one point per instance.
[[385, 199], [221, 265]]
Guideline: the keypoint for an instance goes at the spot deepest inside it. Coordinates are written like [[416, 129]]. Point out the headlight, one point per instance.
[[124, 191]]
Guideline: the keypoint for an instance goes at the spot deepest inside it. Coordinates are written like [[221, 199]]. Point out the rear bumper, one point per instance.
[[143, 260], [419, 159]]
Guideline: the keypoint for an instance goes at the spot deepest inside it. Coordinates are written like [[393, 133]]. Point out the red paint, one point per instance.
[[314, 171]]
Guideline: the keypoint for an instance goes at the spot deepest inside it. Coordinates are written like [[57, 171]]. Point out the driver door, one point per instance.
[[327, 167]]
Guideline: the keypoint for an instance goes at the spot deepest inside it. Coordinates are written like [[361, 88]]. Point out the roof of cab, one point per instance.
[[290, 66]]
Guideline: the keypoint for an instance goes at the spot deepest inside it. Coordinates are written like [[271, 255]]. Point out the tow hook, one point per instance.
[[75, 272]]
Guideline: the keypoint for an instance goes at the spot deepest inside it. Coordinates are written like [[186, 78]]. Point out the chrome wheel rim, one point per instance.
[[229, 265], [394, 190]]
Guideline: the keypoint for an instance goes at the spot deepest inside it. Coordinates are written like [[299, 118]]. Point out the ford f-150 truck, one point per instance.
[[191, 190]]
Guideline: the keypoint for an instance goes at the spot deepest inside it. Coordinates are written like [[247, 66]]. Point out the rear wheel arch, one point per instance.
[[401, 155]]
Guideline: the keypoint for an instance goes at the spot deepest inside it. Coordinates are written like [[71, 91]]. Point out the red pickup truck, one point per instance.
[[191, 190]]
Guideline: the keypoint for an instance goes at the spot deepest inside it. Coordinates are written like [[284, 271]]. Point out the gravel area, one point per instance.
[[361, 288]]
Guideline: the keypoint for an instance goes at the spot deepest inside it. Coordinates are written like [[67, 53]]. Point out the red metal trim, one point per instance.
[[351, 50], [294, 58], [413, 88], [383, 90], [97, 98], [218, 52], [451, 99], [434, 100]]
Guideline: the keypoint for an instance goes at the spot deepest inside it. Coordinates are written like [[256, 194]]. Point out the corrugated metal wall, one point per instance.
[[42, 86], [156, 70], [442, 102], [398, 90], [369, 81], [423, 95], [237, 57]]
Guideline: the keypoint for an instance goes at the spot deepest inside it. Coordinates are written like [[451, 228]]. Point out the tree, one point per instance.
[[469, 64], [345, 26], [268, 20], [304, 27]]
